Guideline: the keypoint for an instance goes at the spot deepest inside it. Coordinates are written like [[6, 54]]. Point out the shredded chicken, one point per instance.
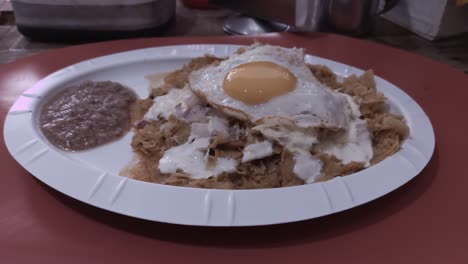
[[139, 108], [388, 130], [151, 139]]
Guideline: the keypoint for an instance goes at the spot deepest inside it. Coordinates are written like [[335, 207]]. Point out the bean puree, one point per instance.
[[87, 115]]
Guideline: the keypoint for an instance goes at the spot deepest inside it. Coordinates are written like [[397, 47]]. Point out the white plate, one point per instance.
[[91, 176]]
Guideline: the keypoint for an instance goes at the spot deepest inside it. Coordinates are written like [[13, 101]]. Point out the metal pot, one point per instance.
[[345, 16]]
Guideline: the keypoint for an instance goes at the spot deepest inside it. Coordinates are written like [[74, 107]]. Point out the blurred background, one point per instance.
[[434, 28]]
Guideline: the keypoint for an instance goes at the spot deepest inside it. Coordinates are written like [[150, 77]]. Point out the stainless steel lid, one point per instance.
[[244, 25]]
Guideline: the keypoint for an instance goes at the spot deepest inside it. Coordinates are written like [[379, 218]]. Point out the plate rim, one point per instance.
[[335, 195]]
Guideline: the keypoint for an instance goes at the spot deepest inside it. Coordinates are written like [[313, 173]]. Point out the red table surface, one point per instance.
[[425, 221]]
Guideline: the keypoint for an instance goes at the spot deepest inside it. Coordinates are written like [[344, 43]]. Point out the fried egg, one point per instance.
[[273, 89], [269, 81]]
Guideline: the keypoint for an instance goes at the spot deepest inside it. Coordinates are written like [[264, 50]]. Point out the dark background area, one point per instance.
[[192, 22]]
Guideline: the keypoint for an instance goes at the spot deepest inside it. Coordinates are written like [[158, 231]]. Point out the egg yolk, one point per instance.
[[258, 82]]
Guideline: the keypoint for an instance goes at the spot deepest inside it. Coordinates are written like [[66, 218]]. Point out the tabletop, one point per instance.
[[422, 222]]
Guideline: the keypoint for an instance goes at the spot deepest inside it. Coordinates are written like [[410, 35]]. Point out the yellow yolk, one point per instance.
[[258, 82]]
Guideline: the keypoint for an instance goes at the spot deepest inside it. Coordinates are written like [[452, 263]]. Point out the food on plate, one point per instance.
[[87, 115], [261, 118]]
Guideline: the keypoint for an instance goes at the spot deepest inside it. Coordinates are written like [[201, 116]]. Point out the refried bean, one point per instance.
[[87, 115]]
